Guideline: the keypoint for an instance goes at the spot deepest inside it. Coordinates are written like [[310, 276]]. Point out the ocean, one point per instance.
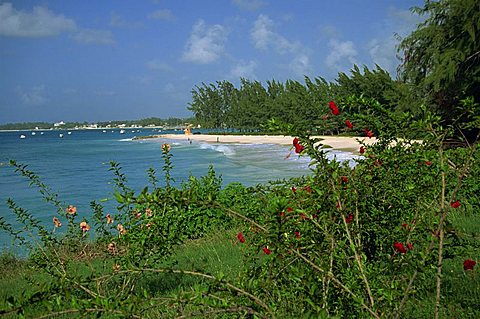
[[76, 166]]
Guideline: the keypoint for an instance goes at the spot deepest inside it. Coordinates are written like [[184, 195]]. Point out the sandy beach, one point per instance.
[[343, 143]]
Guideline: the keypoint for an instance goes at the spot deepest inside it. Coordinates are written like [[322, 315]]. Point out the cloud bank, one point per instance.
[[41, 22], [206, 43]]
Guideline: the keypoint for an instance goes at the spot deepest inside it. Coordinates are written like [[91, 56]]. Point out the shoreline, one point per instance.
[[341, 143]]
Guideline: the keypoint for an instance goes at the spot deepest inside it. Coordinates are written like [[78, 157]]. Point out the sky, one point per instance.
[[66, 60]]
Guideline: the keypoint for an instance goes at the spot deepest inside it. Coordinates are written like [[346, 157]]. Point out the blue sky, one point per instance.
[[129, 59]]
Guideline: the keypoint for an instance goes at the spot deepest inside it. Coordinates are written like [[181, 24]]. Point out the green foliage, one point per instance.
[[442, 58]]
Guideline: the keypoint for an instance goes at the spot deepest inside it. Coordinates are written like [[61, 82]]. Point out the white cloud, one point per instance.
[[264, 37], [383, 53], [105, 93], [70, 91], [117, 21], [342, 56], [41, 22], [300, 64], [169, 88], [94, 36], [158, 65], [142, 79], [164, 14], [251, 5], [35, 96], [383, 50], [206, 43], [244, 70], [262, 33]]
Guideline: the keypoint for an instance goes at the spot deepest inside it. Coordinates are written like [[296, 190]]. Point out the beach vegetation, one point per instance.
[[394, 236]]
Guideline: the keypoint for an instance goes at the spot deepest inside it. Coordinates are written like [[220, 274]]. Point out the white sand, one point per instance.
[[336, 142]]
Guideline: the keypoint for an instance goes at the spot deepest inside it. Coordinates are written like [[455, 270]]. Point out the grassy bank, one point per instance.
[[398, 230]]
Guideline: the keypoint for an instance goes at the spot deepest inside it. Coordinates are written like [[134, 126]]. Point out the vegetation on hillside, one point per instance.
[[170, 122]]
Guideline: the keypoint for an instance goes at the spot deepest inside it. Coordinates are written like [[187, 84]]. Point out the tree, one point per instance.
[[442, 58]]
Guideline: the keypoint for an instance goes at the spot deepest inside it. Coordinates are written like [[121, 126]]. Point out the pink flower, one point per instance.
[[84, 226], [56, 222], [71, 210]]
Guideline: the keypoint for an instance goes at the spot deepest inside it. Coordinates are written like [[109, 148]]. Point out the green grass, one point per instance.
[[220, 255], [217, 255]]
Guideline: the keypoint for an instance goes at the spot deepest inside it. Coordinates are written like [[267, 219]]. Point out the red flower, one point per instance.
[[266, 251], [297, 234], [349, 124], [369, 133], [281, 214], [294, 189], [241, 238], [455, 204], [468, 264], [405, 225], [303, 216], [299, 148], [307, 189], [410, 246], [399, 247], [428, 163], [362, 149], [333, 107], [289, 209], [344, 179], [349, 219], [295, 141]]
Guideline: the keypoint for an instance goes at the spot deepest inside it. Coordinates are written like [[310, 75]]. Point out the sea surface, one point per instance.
[[76, 166]]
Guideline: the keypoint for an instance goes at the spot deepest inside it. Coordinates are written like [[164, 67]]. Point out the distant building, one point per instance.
[[58, 124]]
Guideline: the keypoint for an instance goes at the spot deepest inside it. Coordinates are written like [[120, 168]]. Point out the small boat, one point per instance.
[[69, 133], [60, 135], [23, 136], [122, 131], [41, 133], [104, 131], [33, 133]]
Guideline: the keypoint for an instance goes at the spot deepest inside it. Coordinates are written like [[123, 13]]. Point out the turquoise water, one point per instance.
[[76, 166]]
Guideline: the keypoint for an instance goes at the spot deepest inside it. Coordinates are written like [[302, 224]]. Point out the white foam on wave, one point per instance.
[[226, 150], [126, 140]]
